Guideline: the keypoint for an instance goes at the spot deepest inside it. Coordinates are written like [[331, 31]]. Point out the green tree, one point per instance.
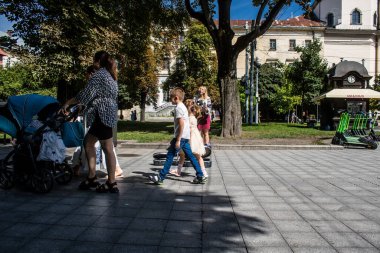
[[271, 78], [141, 81], [283, 101], [308, 73], [196, 64], [22, 79], [227, 52], [374, 103], [8, 43], [64, 35]]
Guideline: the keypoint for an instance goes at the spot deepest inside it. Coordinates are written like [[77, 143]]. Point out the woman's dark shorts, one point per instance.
[[99, 130]]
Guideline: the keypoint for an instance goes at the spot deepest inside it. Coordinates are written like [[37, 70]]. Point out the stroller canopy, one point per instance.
[[23, 108]]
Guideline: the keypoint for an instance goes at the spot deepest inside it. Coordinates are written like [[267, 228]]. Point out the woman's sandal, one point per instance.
[[107, 187], [89, 183]]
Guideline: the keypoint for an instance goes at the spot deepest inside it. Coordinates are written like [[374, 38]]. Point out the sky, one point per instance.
[[240, 9]]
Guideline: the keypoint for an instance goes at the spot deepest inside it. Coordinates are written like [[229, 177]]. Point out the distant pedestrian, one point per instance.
[[293, 118], [180, 140]]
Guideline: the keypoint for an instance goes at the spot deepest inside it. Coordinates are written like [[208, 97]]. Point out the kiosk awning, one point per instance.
[[350, 94]]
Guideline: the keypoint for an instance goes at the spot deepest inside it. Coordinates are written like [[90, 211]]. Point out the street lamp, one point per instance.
[[246, 77]]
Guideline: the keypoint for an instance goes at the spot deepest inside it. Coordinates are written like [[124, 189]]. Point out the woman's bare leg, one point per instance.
[[90, 149], [202, 164], [107, 146], [206, 137]]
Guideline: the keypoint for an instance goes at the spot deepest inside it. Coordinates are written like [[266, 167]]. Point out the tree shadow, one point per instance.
[[143, 216]]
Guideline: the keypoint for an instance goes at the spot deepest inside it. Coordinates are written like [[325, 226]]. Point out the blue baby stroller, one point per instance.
[[28, 118]]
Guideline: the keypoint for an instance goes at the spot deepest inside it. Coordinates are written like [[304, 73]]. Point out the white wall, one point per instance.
[[367, 9], [330, 6], [282, 53], [352, 48], [9, 61]]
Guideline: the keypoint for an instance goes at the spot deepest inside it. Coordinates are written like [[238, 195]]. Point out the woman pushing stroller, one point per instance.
[[100, 99]]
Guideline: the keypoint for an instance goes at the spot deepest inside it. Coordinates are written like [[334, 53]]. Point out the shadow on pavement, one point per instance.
[[177, 216]]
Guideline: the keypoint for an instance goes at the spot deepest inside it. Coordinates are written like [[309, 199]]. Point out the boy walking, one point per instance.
[[180, 141]]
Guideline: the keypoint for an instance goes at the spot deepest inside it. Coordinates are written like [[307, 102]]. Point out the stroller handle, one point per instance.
[[72, 112]]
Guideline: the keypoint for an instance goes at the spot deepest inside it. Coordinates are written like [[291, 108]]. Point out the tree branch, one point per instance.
[[314, 5], [194, 14], [205, 18], [260, 13], [243, 41], [271, 17]]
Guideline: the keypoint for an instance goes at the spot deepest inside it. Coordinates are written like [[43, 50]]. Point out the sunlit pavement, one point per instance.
[[254, 201]]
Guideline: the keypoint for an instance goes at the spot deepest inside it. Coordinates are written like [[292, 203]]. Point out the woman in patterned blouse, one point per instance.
[[100, 99]]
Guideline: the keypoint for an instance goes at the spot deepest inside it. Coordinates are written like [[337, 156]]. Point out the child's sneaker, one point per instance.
[[155, 179], [199, 180], [204, 172]]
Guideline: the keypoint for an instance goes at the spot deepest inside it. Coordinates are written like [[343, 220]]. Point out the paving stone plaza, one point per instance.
[[254, 201]]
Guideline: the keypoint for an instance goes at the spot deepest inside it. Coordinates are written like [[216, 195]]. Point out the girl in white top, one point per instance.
[[196, 140]]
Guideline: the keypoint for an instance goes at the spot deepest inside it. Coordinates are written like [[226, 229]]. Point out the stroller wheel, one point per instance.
[[7, 178], [42, 181], [63, 173]]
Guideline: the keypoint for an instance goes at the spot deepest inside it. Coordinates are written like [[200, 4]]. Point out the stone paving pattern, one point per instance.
[[255, 201]]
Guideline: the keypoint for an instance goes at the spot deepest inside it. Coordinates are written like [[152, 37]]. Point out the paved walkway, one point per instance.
[[255, 201]]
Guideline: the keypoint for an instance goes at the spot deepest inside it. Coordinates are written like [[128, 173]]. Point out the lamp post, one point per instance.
[[251, 79], [246, 77], [257, 93]]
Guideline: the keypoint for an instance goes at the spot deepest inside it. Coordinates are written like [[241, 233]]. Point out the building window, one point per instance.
[[330, 20], [272, 45], [292, 45], [307, 43], [375, 19], [356, 18]]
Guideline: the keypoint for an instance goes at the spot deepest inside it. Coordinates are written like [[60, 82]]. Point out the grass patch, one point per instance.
[[283, 130], [163, 131], [145, 132]]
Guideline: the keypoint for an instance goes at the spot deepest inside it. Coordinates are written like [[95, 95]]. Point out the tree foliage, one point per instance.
[[308, 73], [141, 80], [20, 79], [282, 100], [271, 78], [196, 64], [64, 35]]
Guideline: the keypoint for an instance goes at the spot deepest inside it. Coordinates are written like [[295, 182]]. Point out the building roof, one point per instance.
[[299, 21], [350, 93], [345, 67], [3, 53]]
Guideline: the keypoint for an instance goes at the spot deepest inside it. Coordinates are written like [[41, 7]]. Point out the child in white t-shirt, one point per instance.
[[180, 140]]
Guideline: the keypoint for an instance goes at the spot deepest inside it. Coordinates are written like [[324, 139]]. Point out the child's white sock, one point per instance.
[[204, 172]]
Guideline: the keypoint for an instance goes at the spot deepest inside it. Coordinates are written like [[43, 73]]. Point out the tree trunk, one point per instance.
[[229, 92], [142, 107]]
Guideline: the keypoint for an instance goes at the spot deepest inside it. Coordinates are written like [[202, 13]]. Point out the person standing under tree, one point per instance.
[[204, 121]]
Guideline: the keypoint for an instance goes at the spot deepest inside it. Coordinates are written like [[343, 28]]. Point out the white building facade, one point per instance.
[[352, 32], [6, 59]]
